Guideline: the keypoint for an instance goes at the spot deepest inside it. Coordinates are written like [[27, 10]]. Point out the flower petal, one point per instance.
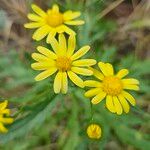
[[39, 57], [84, 62], [110, 69], [131, 87], [92, 83], [97, 74], [45, 51], [82, 51], [62, 44], [64, 87], [51, 35], [122, 73], [2, 128], [6, 120], [130, 81], [74, 22], [34, 17], [34, 25], [71, 45], [38, 10], [117, 105], [98, 98], [124, 103], [129, 97], [55, 45], [43, 66], [69, 15], [92, 92], [109, 104], [55, 8], [41, 32], [3, 105], [75, 79], [82, 71], [45, 74], [68, 30], [5, 111], [103, 68], [58, 82]]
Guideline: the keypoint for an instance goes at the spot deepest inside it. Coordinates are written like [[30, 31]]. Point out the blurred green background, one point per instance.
[[118, 32]]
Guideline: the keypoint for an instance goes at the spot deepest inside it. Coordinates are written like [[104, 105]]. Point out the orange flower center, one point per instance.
[[63, 63], [54, 19], [112, 85]]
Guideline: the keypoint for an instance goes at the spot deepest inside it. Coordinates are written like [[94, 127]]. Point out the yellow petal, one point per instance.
[[38, 10], [84, 62], [69, 15], [64, 88], [74, 22], [130, 81], [82, 51], [33, 25], [129, 97], [117, 105], [3, 105], [110, 69], [2, 128], [92, 83], [97, 74], [45, 74], [60, 29], [92, 92], [124, 103], [75, 79], [122, 73], [46, 52], [68, 30], [43, 66], [58, 82], [71, 45], [109, 104], [55, 45], [6, 120], [41, 32], [5, 111], [82, 71], [34, 17], [39, 57], [103, 68], [130, 87], [51, 35], [55, 8], [62, 44], [98, 98]]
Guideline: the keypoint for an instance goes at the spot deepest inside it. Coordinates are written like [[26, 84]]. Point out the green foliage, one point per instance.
[[49, 121]]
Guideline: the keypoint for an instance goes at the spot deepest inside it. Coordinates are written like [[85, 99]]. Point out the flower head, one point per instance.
[[94, 131], [3, 119], [112, 87], [52, 22], [64, 61]]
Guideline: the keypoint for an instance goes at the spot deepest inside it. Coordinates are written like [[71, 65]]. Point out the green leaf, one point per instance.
[[132, 137], [33, 120]]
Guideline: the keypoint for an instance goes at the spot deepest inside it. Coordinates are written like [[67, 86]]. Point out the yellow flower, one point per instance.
[[3, 119], [52, 22], [94, 131], [63, 61], [112, 87]]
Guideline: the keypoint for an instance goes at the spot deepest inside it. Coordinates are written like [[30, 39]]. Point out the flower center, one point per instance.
[[54, 19], [63, 63], [112, 85]]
